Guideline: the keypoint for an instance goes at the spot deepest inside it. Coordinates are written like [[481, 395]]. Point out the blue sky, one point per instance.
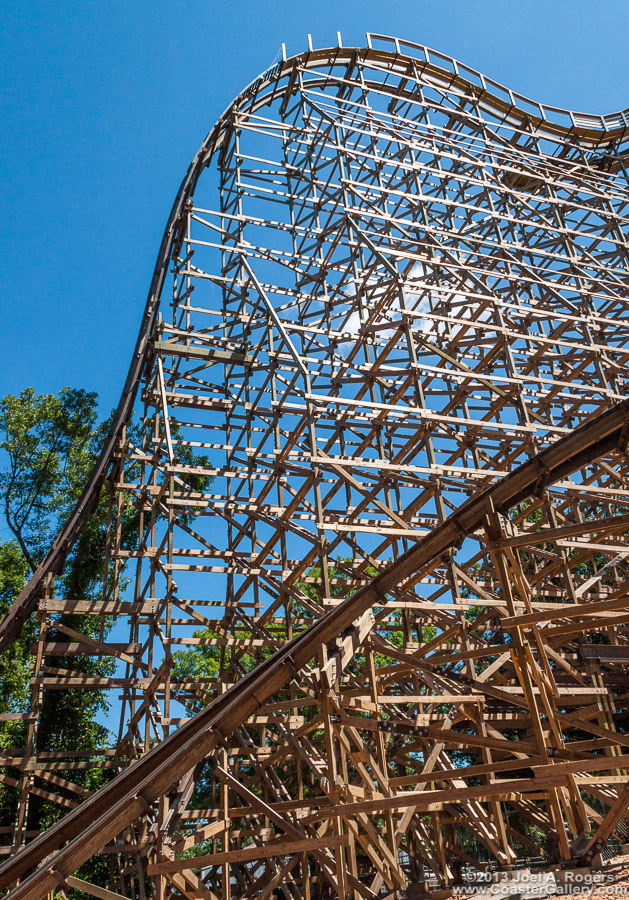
[[104, 103]]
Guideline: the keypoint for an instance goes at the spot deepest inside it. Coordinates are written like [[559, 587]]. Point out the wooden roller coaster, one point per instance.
[[371, 627]]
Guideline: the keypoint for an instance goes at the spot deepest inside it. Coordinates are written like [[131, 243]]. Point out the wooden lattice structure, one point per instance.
[[380, 488]]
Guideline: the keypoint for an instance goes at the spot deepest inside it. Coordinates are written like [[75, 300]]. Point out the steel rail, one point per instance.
[[256, 95], [104, 815]]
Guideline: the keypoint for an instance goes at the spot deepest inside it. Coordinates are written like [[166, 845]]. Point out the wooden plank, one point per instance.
[[92, 889], [249, 854]]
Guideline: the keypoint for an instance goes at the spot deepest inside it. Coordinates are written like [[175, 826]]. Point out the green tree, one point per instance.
[[50, 443], [14, 671]]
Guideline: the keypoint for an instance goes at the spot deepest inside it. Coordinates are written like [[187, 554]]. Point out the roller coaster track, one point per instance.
[[384, 434]]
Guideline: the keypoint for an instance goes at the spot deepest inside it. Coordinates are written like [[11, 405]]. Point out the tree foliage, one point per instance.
[[49, 444]]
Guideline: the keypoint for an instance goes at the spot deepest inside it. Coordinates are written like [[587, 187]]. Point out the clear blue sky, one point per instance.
[[104, 103]]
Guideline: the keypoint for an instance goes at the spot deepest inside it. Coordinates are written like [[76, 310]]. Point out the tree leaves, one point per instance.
[[50, 442]]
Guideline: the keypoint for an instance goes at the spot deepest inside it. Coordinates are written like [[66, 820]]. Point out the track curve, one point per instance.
[[593, 129]]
